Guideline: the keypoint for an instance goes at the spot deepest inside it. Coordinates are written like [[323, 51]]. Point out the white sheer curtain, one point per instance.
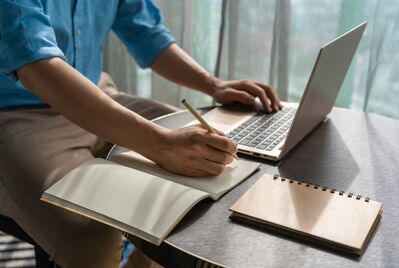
[[275, 42]]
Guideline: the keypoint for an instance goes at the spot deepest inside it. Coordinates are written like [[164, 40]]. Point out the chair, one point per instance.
[[10, 227]]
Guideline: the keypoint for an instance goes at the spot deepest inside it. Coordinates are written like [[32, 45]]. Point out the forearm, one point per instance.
[[177, 66], [82, 102]]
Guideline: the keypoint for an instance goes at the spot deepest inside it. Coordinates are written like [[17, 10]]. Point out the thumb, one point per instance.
[[218, 132]]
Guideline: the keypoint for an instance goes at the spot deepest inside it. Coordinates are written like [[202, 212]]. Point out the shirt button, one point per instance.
[[77, 32]]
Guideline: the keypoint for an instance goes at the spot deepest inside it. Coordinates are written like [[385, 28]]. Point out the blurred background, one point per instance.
[[276, 42]]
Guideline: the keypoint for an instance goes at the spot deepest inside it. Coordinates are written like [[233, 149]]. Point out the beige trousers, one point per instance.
[[37, 147]]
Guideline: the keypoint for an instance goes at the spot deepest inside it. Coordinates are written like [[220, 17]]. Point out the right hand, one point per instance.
[[193, 151]]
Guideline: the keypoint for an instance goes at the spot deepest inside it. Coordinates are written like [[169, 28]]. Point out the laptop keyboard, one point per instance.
[[264, 131]]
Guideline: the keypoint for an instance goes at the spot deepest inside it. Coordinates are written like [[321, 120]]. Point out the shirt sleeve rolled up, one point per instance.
[[26, 35], [138, 24]]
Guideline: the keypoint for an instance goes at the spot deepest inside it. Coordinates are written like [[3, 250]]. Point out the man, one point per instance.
[[53, 115]]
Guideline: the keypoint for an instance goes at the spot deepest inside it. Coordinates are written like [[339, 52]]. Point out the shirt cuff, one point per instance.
[[26, 46]]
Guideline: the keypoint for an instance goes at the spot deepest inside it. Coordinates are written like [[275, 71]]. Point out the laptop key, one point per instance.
[[251, 144], [244, 141], [264, 131], [249, 121]]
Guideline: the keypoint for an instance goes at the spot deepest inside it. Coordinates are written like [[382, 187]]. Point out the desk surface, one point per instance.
[[352, 151]]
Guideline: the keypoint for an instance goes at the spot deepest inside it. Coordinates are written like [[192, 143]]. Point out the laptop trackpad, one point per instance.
[[225, 119]]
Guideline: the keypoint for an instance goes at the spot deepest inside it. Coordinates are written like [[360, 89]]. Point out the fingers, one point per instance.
[[232, 95], [246, 91], [213, 151], [211, 168], [275, 101], [193, 151], [257, 91], [217, 156], [221, 143]]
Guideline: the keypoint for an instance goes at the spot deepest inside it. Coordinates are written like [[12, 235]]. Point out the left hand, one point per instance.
[[245, 91]]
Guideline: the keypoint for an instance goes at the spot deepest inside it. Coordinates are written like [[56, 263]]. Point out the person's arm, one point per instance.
[[189, 151], [177, 66], [139, 26]]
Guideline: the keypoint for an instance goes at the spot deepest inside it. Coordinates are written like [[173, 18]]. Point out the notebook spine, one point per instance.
[[323, 188]]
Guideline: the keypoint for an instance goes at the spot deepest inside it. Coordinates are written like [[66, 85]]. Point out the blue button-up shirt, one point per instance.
[[73, 30]]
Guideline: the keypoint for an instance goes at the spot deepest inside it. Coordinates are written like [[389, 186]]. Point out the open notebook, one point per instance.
[[134, 195], [341, 220]]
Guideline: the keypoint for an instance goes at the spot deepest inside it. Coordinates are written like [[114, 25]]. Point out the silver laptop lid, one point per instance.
[[323, 85]]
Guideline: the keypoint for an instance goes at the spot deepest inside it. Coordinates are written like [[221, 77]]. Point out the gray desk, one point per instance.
[[352, 151]]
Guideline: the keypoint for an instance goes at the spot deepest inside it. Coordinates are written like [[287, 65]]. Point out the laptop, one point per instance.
[[272, 136]]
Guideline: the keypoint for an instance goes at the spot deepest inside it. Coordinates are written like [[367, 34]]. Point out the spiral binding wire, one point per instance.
[[316, 186]]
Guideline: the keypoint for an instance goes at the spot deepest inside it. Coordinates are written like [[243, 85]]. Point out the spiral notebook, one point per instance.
[[337, 219]]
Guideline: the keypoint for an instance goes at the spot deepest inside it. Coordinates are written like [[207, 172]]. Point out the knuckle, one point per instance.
[[194, 149], [268, 87], [191, 156], [230, 90], [239, 93], [197, 128], [262, 93], [226, 143], [248, 83], [242, 94], [196, 135]]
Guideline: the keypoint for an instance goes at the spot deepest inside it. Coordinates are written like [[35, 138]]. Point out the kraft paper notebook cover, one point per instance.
[[341, 220], [147, 203]]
